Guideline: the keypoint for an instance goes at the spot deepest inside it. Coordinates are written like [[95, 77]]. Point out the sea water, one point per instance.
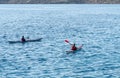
[[95, 26]]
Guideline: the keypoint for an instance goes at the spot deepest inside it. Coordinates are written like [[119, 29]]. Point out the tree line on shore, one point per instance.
[[59, 1]]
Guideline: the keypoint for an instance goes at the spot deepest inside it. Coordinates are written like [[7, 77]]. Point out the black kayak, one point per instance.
[[33, 40]]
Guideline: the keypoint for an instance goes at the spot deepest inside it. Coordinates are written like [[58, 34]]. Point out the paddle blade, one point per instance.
[[66, 41]]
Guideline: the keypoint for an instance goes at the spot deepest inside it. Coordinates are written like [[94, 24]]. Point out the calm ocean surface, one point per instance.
[[95, 26]]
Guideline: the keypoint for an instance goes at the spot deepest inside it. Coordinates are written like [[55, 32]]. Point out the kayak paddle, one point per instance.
[[68, 42]]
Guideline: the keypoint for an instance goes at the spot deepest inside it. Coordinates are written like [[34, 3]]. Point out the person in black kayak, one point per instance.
[[23, 39], [73, 47]]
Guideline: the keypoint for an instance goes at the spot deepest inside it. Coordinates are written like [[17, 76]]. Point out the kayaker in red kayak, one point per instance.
[[73, 47], [23, 39]]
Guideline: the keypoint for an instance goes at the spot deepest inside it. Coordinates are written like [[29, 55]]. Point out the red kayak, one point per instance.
[[79, 48]]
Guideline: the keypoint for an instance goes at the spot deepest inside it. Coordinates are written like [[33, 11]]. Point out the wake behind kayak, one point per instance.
[[32, 40]]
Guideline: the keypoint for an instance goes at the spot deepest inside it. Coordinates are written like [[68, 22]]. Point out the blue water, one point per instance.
[[95, 26]]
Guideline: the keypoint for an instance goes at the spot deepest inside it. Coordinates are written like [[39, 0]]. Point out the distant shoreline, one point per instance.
[[59, 2]]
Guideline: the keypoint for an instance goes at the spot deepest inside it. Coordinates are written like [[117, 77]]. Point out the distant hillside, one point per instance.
[[59, 1]]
